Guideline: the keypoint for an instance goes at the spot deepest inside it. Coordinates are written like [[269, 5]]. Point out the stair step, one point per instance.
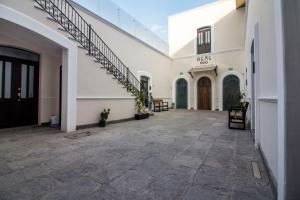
[[51, 19]]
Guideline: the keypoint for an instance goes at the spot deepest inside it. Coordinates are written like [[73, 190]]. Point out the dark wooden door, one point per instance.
[[19, 92], [204, 94], [231, 91], [181, 94]]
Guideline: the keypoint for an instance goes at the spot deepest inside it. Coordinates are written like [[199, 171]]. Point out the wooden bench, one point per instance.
[[237, 115], [159, 105]]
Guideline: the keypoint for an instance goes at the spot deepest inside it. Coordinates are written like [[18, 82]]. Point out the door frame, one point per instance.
[[213, 90], [187, 92], [14, 60]]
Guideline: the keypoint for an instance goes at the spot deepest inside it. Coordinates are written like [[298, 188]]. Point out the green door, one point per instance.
[[231, 91], [181, 93]]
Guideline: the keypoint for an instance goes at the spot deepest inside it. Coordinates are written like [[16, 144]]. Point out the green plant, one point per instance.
[[103, 117], [140, 101]]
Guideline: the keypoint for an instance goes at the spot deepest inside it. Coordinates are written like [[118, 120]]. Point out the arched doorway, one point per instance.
[[145, 85], [19, 75], [231, 91], [181, 93], [204, 93]]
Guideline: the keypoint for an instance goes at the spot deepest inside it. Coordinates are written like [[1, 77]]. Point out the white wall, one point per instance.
[[226, 22], [227, 52], [261, 28]]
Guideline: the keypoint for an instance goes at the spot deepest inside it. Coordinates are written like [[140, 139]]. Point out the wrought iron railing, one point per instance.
[[72, 22]]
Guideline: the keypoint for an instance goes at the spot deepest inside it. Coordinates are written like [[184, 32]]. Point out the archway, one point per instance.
[[145, 86], [231, 91], [204, 93], [181, 93]]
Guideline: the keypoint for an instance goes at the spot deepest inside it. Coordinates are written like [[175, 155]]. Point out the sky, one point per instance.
[[154, 13]]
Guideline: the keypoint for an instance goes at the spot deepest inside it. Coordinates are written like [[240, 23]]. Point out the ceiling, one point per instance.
[[27, 36]]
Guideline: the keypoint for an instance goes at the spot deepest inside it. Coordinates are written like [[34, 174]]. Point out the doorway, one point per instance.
[[145, 85], [181, 94], [231, 91], [204, 93], [18, 91], [253, 92]]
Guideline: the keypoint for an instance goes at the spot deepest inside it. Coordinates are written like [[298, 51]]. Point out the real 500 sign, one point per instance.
[[205, 60]]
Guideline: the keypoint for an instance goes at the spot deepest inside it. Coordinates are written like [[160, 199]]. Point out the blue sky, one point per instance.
[[154, 13]]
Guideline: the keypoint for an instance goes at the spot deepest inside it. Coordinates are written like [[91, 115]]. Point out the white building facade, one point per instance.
[[207, 49]]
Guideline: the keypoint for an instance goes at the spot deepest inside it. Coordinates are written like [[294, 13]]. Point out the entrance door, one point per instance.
[[231, 91], [181, 94], [204, 94], [145, 85], [18, 92]]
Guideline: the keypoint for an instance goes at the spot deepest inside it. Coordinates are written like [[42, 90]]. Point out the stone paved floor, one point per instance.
[[173, 155]]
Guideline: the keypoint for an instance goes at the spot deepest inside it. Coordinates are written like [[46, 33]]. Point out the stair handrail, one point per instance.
[[61, 10]]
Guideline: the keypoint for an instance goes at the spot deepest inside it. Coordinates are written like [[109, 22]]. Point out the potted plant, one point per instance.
[[103, 118], [140, 106]]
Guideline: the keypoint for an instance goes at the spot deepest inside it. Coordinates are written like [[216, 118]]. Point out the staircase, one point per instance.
[[62, 12]]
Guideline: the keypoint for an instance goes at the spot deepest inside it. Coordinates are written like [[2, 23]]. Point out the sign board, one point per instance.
[[205, 60]]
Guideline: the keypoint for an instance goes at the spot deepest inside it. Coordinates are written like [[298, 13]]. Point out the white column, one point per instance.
[[69, 90]]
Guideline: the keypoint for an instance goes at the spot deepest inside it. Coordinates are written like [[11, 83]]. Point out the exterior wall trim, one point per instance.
[[103, 98], [212, 53]]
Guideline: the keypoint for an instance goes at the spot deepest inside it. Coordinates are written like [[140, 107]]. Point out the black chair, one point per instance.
[[237, 115]]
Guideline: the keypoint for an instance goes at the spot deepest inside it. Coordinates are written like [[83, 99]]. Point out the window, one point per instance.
[[7, 80], [24, 82], [204, 40]]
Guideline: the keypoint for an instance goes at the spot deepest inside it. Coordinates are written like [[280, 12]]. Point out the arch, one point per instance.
[[181, 93], [220, 84], [204, 94], [69, 62], [213, 90], [231, 90]]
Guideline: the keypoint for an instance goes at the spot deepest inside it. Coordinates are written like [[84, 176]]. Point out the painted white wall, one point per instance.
[[261, 27], [227, 28], [280, 69]]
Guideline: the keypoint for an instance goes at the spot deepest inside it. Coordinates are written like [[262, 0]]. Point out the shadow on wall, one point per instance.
[[226, 34]]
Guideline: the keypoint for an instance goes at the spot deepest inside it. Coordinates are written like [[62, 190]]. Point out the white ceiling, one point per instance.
[[22, 34]]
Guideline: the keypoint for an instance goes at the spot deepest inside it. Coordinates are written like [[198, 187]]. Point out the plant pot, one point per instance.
[[140, 116], [102, 123]]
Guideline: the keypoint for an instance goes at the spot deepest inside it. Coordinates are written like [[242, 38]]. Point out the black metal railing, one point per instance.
[[72, 22]]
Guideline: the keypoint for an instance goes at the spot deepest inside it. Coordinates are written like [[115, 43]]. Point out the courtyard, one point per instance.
[[172, 155]]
